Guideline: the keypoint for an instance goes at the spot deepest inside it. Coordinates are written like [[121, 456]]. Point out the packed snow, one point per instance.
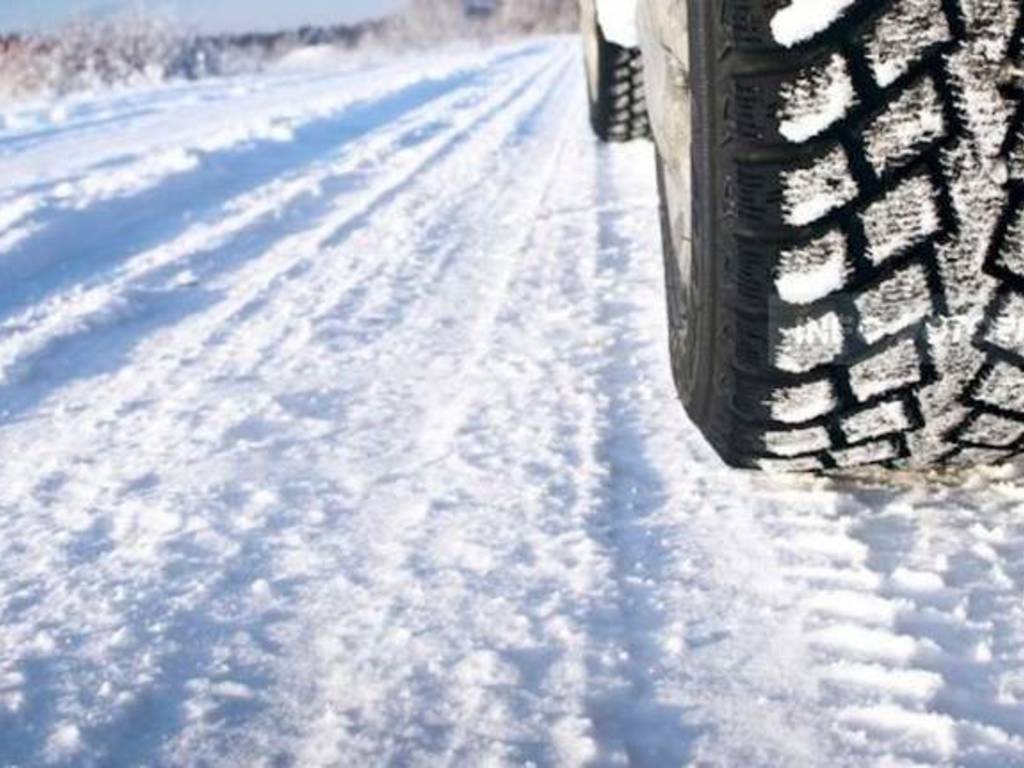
[[338, 429], [618, 21], [803, 19]]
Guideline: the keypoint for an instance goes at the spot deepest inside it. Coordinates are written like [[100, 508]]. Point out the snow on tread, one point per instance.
[[904, 223], [816, 100]]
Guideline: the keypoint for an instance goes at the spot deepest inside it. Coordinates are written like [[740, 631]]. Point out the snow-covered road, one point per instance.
[[337, 429]]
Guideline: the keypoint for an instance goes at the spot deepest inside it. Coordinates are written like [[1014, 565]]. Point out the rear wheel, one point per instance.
[[615, 84], [843, 208]]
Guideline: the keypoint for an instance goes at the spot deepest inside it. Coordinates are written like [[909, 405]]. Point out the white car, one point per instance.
[[842, 190]]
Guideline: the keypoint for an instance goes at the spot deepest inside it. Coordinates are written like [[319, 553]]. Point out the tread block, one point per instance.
[[809, 344], [803, 403], [813, 271], [992, 431], [796, 442], [1007, 329], [869, 453], [1011, 253], [891, 369], [811, 192], [618, 101], [818, 98], [1002, 387], [896, 304], [886, 418], [801, 20], [909, 125], [902, 36], [905, 217]]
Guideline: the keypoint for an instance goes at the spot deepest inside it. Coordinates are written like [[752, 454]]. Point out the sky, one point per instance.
[[210, 15]]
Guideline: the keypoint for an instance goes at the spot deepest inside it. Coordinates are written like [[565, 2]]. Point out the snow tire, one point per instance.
[[844, 227], [615, 84]]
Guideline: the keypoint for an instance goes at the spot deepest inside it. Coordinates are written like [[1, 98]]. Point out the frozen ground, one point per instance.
[[337, 429]]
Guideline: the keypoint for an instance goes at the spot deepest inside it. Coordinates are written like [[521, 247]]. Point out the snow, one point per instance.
[[1003, 386], [797, 441], [883, 419], [892, 368], [811, 272], [803, 19], [353, 440], [795, 405], [912, 121], [904, 218], [818, 98], [901, 36], [618, 21], [818, 189], [810, 343], [895, 304]]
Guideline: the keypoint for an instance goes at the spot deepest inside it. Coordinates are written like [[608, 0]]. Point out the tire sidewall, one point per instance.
[[690, 318], [592, 49]]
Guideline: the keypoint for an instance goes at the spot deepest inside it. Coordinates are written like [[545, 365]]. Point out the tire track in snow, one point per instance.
[[87, 236], [635, 722], [441, 547], [222, 354], [81, 313], [400, 475], [908, 600]]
